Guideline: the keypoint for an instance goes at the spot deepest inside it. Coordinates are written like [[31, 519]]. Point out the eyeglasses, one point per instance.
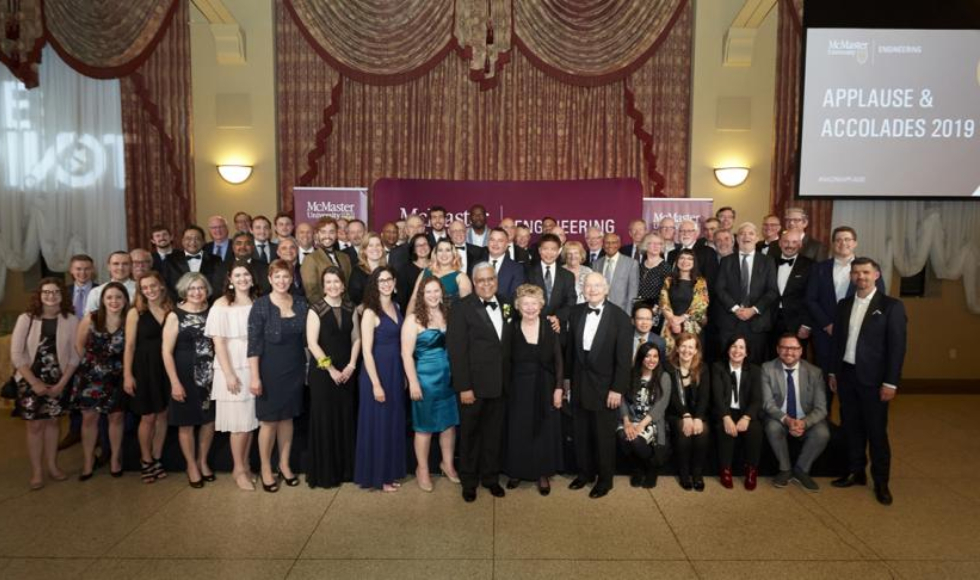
[[781, 347]]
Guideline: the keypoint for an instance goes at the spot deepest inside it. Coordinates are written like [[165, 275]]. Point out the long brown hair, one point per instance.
[[675, 359], [99, 316], [36, 308], [229, 292], [421, 309], [142, 304]]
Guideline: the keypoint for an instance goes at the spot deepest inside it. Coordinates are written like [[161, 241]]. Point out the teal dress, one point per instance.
[[449, 285], [437, 411]]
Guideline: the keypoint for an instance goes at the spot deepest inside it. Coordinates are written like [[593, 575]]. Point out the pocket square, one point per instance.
[[876, 313]]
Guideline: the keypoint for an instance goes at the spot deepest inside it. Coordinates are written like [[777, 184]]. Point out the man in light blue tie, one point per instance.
[[794, 402]]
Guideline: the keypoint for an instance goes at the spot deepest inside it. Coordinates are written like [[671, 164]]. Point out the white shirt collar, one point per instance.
[[866, 299]]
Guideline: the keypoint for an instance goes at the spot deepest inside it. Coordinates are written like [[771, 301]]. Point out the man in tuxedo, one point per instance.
[[593, 246], [326, 255], [794, 403], [638, 229], [243, 253], [706, 258], [478, 340], [161, 241], [643, 331], [304, 241], [598, 361], [469, 254], [399, 255], [557, 282], [746, 294], [726, 218], [795, 218], [192, 258], [829, 283], [437, 225], [515, 252], [868, 354], [621, 273], [478, 233], [792, 272], [510, 274], [219, 246], [265, 249], [771, 228]]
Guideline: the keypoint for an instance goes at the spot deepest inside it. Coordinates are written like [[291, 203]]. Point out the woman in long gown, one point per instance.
[[234, 403], [277, 364], [380, 453], [533, 437], [434, 405], [333, 334], [144, 376]]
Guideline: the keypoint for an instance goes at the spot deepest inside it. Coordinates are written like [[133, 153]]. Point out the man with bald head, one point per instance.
[[220, 245], [746, 295], [398, 257], [621, 272], [792, 276]]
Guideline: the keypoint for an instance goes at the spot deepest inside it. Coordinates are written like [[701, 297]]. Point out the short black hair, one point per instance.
[[549, 238], [864, 261], [194, 227]]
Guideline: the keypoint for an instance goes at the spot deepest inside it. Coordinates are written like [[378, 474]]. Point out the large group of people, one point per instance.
[[686, 337]]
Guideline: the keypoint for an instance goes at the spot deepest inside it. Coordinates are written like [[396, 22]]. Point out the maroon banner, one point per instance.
[[608, 204], [312, 203]]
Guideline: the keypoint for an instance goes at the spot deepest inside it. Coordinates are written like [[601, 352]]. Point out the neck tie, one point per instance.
[[596, 311], [494, 264], [735, 386], [639, 342], [790, 394], [595, 256], [548, 283], [745, 279], [79, 301], [607, 269], [194, 257], [262, 253], [217, 250]]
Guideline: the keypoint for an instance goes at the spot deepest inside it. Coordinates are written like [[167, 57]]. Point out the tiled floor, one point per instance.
[[119, 528]]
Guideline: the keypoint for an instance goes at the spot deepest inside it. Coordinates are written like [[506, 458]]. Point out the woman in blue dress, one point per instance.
[[379, 457], [434, 407], [444, 265], [277, 361]]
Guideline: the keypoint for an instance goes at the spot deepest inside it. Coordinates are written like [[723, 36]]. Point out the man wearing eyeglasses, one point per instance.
[[795, 219]]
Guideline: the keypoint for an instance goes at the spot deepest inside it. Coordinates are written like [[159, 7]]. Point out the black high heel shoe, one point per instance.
[[271, 488], [195, 484], [290, 482], [209, 478]]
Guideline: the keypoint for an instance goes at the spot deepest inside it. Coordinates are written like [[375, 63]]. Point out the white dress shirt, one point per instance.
[[304, 253], [609, 267], [461, 252], [591, 326], [738, 381], [783, 272], [497, 318], [858, 312], [842, 277]]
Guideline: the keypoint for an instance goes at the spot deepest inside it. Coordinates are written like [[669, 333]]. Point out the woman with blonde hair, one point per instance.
[[574, 262], [444, 264]]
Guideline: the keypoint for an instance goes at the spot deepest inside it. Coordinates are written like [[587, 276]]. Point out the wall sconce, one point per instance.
[[235, 174], [731, 176]]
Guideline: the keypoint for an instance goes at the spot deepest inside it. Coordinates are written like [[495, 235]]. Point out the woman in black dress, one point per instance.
[[42, 353], [277, 357], [334, 338], [683, 300], [188, 356], [144, 376], [736, 389], [418, 260], [690, 395], [532, 441]]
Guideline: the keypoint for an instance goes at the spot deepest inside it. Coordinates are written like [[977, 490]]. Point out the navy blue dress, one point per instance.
[[380, 451], [280, 344]]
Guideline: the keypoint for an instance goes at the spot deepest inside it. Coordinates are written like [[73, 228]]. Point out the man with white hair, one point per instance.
[[598, 362], [638, 229], [593, 246], [746, 294]]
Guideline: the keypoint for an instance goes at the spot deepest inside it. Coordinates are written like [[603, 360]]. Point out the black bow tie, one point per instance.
[[596, 311], [781, 261], [491, 304], [194, 257], [460, 247]]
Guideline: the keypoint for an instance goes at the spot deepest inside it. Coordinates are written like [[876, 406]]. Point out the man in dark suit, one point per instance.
[[399, 256], [593, 247], [265, 249], [243, 253], [557, 282], [193, 259], [220, 245], [746, 293], [510, 274], [515, 252], [795, 219], [162, 243], [868, 354], [478, 339], [638, 229], [437, 225], [792, 271], [469, 254], [598, 358], [771, 228], [643, 331], [706, 258], [829, 283]]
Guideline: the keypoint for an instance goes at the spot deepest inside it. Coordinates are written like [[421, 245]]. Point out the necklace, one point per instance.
[[683, 376]]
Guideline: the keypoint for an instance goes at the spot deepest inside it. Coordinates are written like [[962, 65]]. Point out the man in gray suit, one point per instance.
[[622, 275], [794, 402]]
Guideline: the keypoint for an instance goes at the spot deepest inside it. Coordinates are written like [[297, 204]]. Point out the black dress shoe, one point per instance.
[[544, 489], [469, 494], [513, 483], [495, 490], [209, 478], [698, 483], [687, 484], [851, 479], [882, 494], [578, 483], [598, 491], [636, 480]]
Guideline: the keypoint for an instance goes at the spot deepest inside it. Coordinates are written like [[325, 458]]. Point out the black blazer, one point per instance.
[[397, 258], [209, 249], [474, 255], [521, 256], [607, 366], [749, 390], [705, 257], [811, 248], [881, 343], [432, 238], [176, 266], [551, 372], [588, 261], [479, 361], [563, 293], [792, 302], [159, 264], [272, 249], [763, 292], [627, 250], [697, 405], [260, 273]]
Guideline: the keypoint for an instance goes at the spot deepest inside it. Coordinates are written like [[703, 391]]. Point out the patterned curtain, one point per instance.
[[626, 115], [21, 38], [782, 191]]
